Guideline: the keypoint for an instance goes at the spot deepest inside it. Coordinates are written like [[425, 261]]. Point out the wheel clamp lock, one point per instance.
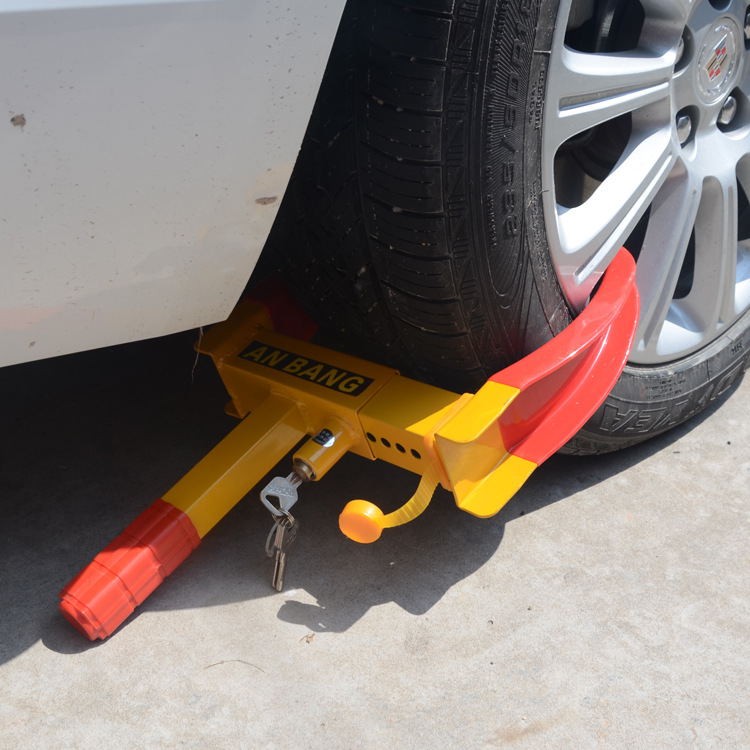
[[482, 446]]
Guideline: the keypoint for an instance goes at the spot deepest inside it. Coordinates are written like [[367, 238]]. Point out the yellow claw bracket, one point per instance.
[[484, 447]]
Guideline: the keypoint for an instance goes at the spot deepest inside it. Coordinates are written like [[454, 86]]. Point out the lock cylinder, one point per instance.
[[322, 451]]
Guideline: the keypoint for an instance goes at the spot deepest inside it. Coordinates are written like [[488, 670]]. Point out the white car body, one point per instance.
[[145, 149]]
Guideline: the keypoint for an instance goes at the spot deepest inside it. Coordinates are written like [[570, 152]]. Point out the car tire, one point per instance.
[[428, 221]]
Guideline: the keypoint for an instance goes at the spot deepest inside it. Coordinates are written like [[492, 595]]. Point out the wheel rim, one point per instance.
[[646, 143]]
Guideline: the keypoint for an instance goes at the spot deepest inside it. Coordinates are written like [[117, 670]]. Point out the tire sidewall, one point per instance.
[[647, 401], [521, 287]]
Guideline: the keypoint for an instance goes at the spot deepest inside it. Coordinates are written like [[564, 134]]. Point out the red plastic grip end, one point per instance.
[[124, 573]]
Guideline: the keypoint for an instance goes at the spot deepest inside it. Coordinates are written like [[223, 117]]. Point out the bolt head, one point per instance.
[[728, 111], [681, 47], [684, 128]]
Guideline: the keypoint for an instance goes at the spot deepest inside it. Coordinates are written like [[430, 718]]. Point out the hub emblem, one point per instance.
[[717, 59]]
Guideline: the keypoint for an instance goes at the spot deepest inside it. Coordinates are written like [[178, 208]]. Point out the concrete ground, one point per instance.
[[606, 606]]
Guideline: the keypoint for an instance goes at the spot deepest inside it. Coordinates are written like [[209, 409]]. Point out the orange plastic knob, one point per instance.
[[361, 521]]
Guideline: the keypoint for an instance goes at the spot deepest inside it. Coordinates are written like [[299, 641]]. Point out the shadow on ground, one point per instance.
[[93, 439]]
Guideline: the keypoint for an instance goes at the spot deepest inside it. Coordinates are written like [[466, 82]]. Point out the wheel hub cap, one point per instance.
[[719, 60]]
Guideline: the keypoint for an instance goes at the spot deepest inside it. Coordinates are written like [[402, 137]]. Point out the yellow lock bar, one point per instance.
[[215, 485]]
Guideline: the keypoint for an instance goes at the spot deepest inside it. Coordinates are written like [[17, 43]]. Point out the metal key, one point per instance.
[[284, 491], [284, 534]]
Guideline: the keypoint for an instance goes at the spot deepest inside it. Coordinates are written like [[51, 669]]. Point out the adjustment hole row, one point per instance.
[[387, 443]]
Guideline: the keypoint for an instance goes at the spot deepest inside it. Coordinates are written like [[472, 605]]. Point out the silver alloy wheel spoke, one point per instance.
[[693, 271], [594, 88], [715, 256], [592, 233], [669, 230]]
